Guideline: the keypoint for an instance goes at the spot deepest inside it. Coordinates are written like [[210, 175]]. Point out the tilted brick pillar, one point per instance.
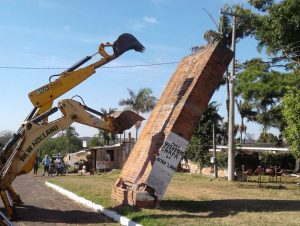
[[162, 143]]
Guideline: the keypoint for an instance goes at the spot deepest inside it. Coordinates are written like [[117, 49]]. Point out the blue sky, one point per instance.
[[46, 33]]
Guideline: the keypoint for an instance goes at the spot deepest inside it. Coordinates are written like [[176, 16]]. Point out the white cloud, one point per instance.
[[151, 20], [136, 26]]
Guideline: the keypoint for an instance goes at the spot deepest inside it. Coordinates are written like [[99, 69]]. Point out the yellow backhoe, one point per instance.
[[18, 154]]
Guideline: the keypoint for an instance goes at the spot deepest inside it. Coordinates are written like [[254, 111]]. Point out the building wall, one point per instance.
[[120, 154]]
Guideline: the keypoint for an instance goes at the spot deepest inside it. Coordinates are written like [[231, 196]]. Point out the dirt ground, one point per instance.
[[43, 206]]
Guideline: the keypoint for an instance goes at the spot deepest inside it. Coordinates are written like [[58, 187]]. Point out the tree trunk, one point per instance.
[[136, 133], [297, 166], [242, 130], [137, 126], [245, 130], [227, 100]]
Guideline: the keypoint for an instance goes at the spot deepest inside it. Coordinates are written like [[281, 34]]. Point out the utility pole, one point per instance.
[[215, 153], [231, 153]]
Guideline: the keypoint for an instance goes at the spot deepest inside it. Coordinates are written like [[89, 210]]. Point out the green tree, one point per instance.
[[141, 102], [262, 89], [104, 134], [201, 142], [268, 138], [70, 132], [262, 5], [49, 147], [245, 110], [223, 34], [291, 112], [277, 30], [69, 141], [95, 141], [66, 142], [5, 136]]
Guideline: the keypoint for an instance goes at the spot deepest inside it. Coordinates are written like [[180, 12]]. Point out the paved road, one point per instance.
[[43, 206]]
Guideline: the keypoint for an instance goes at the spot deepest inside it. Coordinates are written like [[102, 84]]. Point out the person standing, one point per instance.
[[46, 163], [36, 165]]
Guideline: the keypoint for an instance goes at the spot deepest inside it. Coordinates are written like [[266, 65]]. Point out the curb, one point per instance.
[[109, 213]]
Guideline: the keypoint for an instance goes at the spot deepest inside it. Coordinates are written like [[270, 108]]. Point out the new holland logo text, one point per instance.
[[37, 141], [42, 90]]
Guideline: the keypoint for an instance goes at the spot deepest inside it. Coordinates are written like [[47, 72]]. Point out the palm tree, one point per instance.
[[107, 136], [245, 110], [223, 34], [141, 102]]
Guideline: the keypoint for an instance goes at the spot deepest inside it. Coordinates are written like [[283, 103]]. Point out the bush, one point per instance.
[[251, 161], [284, 160], [222, 159]]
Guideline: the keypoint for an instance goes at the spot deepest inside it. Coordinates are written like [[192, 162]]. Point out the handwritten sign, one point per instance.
[[166, 163]]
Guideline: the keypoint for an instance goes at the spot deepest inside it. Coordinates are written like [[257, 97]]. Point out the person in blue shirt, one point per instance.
[[46, 162]]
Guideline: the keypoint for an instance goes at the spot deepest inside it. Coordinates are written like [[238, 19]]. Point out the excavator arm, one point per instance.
[[42, 98]]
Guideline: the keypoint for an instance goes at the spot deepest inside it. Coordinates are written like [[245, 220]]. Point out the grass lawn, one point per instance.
[[195, 200]]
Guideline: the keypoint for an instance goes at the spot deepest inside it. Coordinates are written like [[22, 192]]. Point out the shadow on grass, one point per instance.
[[230, 206], [210, 209], [28, 213]]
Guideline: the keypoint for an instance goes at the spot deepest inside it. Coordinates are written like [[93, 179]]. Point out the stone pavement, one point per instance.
[[44, 206]]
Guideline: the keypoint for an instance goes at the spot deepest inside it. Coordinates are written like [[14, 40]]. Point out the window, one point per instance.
[[111, 154]]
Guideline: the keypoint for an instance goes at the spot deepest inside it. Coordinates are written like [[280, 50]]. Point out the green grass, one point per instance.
[[195, 200]]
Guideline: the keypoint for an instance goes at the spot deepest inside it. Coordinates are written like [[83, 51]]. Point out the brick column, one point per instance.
[[162, 143]]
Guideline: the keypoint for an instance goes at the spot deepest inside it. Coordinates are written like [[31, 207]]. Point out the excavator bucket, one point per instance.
[[127, 42], [124, 120]]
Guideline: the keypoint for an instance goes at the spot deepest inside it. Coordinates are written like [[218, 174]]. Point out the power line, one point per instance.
[[121, 66], [63, 68]]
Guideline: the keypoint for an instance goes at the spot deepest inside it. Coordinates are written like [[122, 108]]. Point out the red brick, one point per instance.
[[180, 107]]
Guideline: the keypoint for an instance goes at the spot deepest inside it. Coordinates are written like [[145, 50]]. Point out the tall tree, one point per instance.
[[278, 32], [70, 131], [245, 110], [269, 138], [198, 149], [223, 34], [278, 28], [141, 102], [68, 141], [291, 112], [60, 144], [262, 88], [5, 136], [104, 134]]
